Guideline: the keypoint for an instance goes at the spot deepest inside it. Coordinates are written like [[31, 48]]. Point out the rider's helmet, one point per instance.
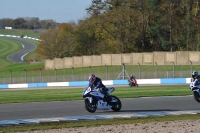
[[132, 76], [194, 74], [92, 78]]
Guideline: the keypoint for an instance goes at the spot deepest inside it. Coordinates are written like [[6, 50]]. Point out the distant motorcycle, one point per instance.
[[196, 91], [132, 83], [94, 99]]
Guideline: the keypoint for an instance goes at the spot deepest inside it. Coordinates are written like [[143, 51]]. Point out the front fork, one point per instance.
[[90, 99], [198, 91]]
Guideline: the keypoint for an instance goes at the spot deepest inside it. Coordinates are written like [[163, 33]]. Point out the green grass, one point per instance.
[[21, 66], [7, 48], [18, 32], [44, 95]]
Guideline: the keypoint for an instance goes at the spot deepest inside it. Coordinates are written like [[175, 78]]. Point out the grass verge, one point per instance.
[[44, 95], [19, 32], [7, 48]]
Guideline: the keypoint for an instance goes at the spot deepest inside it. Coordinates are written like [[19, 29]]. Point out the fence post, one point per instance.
[[106, 71], [56, 74], [90, 69], [72, 73], [156, 70], [40, 75], [139, 69], [173, 69], [10, 76], [25, 75], [191, 66], [123, 70]]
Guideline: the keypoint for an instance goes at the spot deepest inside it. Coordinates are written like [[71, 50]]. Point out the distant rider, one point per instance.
[[194, 80], [194, 75], [132, 77], [96, 82]]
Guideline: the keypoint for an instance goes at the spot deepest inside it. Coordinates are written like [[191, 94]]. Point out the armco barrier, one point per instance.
[[106, 82]]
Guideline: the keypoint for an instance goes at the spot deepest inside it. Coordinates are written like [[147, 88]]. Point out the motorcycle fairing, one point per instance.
[[195, 88], [93, 93], [103, 105], [110, 90]]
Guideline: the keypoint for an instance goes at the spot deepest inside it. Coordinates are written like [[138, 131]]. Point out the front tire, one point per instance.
[[116, 106], [196, 96], [130, 84], [90, 107]]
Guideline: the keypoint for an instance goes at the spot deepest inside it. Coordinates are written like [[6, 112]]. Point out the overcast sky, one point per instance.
[[57, 10]]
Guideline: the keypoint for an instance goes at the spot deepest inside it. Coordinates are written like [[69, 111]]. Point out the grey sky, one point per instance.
[[58, 10]]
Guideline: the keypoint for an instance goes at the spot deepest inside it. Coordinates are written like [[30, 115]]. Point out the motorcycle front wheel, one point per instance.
[[90, 107], [196, 96], [130, 84], [116, 106]]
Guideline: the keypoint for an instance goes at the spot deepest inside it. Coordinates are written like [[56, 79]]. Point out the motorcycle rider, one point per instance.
[[197, 81], [194, 75], [132, 77], [96, 82]]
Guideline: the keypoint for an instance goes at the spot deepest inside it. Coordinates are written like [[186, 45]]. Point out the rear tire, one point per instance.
[[196, 96], [90, 107], [116, 106]]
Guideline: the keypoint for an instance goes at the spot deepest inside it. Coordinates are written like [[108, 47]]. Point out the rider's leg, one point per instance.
[[106, 95]]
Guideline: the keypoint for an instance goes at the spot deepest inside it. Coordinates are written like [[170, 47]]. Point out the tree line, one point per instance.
[[125, 26], [27, 23]]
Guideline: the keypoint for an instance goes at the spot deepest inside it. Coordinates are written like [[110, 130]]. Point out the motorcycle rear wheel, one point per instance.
[[116, 106], [196, 96], [90, 107]]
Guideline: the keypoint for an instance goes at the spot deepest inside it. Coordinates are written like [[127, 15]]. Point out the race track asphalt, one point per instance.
[[36, 110], [27, 47]]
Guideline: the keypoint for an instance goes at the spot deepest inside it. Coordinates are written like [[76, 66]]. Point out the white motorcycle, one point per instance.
[[196, 91], [94, 99]]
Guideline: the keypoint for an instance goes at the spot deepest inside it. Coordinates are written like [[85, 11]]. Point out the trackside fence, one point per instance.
[[105, 73]]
